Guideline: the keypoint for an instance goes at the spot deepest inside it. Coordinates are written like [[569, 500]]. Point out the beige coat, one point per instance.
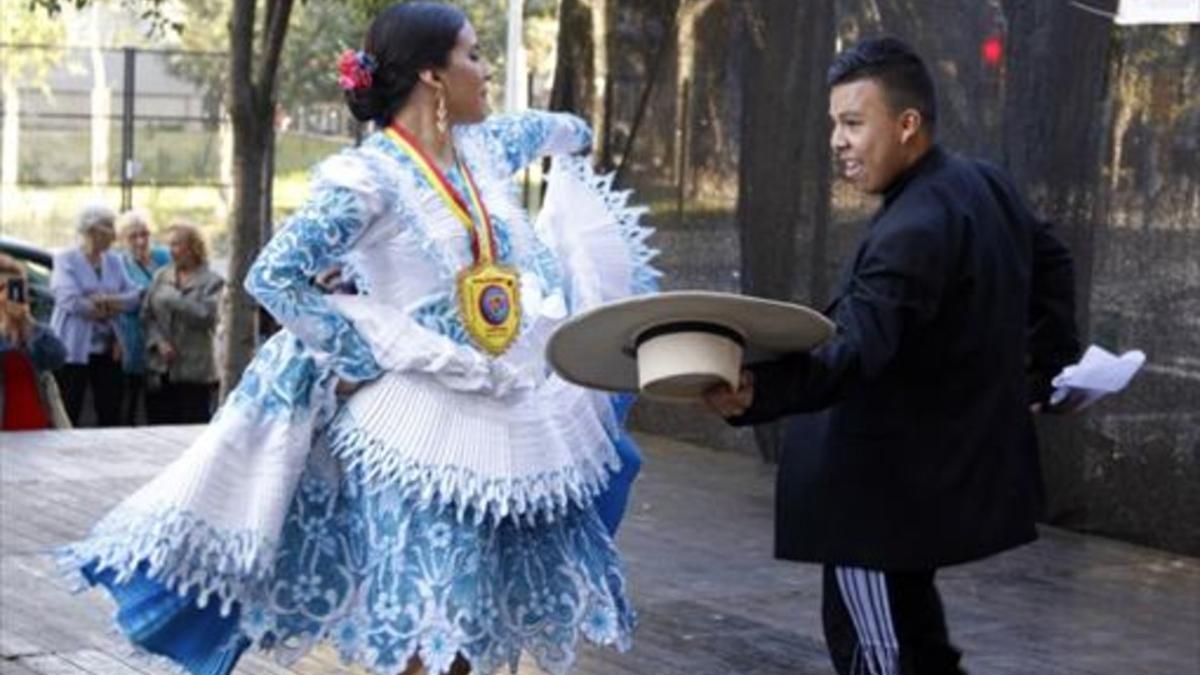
[[184, 317]]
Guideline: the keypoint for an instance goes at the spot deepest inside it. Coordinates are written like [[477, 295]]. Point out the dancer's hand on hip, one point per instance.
[[344, 388]]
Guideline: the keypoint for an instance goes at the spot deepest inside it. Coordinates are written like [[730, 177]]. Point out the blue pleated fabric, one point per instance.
[[611, 503], [161, 622]]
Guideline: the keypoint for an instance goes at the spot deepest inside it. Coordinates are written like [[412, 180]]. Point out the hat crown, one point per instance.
[[684, 363]]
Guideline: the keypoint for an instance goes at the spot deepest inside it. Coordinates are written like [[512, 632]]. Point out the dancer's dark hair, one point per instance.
[[403, 40]]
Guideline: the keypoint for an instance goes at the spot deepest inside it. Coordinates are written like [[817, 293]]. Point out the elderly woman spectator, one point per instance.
[[142, 259], [180, 319], [27, 350], [90, 290]]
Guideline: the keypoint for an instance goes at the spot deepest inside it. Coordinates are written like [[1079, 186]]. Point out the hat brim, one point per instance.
[[597, 348]]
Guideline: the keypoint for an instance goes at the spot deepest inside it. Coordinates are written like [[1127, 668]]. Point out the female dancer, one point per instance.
[[398, 472]]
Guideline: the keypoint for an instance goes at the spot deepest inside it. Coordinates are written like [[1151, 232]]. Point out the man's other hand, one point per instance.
[[726, 402], [1070, 405]]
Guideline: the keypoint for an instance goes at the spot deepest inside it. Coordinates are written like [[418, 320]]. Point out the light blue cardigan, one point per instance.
[[74, 282], [129, 324]]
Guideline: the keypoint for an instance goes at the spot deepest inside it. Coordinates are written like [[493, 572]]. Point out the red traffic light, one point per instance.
[[992, 50]]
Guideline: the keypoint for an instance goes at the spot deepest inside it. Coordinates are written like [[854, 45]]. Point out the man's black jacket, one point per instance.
[[925, 453]]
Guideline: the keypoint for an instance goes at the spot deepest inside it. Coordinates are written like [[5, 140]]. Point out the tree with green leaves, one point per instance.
[[22, 67]]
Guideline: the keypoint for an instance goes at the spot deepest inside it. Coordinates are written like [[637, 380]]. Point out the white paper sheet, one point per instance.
[[1098, 374], [1158, 11]]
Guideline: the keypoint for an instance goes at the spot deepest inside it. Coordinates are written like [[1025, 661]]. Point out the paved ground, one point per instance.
[[697, 543]]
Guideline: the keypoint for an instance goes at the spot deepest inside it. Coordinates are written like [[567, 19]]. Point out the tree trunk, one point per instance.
[[784, 170], [572, 87], [101, 111], [602, 15], [252, 112], [1056, 119], [245, 240], [1057, 116], [687, 15], [668, 18]]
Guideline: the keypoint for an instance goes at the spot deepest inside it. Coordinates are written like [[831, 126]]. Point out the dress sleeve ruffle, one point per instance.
[[597, 236], [517, 139]]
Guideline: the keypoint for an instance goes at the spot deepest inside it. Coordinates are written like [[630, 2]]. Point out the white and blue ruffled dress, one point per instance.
[[455, 503]]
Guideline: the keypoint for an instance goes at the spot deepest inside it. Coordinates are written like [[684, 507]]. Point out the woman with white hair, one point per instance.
[[142, 259], [90, 290]]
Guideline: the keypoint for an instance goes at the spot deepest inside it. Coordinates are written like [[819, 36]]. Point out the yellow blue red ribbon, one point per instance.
[[449, 194]]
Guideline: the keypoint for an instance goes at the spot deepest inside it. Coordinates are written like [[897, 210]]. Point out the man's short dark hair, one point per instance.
[[897, 68]]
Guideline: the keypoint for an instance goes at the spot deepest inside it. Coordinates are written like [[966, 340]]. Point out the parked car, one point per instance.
[[38, 262]]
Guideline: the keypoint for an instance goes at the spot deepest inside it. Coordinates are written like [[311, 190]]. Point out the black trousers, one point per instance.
[[103, 375], [135, 385], [886, 623], [180, 403]]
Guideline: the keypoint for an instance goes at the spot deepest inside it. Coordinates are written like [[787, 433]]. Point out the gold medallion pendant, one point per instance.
[[489, 294], [489, 298]]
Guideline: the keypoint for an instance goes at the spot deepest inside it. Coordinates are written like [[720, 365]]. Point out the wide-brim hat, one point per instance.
[[675, 345]]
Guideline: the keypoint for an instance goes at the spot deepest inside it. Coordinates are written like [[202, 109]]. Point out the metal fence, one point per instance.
[[135, 128]]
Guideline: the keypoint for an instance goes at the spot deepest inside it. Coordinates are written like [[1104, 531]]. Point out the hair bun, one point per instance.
[[402, 40], [362, 104]]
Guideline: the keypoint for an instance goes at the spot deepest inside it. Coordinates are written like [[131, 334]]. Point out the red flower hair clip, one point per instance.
[[354, 70]]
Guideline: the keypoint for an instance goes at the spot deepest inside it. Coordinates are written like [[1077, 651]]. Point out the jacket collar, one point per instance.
[[198, 276], [931, 160]]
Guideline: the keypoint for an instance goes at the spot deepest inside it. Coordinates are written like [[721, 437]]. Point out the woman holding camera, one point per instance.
[[27, 350]]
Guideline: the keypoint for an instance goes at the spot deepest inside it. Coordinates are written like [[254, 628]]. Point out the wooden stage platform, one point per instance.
[[697, 543]]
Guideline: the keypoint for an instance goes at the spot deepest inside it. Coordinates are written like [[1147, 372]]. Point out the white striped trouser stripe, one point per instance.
[[864, 593]]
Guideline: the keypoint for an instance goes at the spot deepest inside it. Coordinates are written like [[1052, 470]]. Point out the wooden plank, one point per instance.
[[44, 521], [253, 663], [15, 667], [24, 615], [67, 456], [14, 644], [99, 663], [51, 664], [15, 537], [325, 661]]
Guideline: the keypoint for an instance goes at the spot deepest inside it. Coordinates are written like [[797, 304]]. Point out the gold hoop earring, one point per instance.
[[443, 117]]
